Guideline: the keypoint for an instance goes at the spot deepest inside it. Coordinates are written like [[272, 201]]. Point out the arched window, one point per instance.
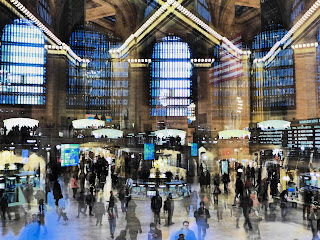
[[275, 82], [171, 73], [44, 11], [104, 89], [22, 68]]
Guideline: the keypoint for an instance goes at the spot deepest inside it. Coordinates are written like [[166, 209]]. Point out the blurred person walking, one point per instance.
[[255, 220], [307, 200], [283, 204], [4, 209], [57, 193], [314, 222], [194, 200], [239, 188], [133, 227], [122, 198], [202, 215], [112, 218], [74, 185], [63, 206], [99, 211], [81, 205], [90, 201]]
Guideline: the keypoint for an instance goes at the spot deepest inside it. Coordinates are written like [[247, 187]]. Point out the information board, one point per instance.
[[70, 155], [148, 151], [194, 149]]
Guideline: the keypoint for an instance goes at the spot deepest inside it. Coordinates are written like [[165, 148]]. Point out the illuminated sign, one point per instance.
[[194, 149], [148, 151], [70, 155]]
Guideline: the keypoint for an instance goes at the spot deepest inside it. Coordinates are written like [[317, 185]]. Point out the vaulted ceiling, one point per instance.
[[122, 17]]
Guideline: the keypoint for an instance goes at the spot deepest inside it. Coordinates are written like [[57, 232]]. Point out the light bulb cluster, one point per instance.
[[305, 45], [202, 60], [54, 38], [286, 37], [239, 104], [139, 60]]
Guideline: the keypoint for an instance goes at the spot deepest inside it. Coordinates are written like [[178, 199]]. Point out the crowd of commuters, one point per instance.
[[244, 192]]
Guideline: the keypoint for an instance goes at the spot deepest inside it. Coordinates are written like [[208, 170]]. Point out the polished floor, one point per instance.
[[295, 228]]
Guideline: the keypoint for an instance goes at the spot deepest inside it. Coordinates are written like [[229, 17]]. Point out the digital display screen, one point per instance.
[[2, 186], [194, 149], [148, 151], [70, 155], [25, 155], [151, 193]]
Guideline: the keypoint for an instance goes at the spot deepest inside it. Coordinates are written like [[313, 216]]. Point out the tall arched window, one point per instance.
[[104, 90], [171, 73], [22, 67], [275, 82]]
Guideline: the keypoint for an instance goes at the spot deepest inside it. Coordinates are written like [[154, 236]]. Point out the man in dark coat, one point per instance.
[[156, 205], [4, 209], [246, 204], [239, 188], [307, 200], [57, 193]]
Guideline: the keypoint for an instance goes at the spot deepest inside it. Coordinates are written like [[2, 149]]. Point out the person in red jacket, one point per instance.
[[74, 186]]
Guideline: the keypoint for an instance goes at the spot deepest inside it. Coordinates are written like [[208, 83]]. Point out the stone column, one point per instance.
[[56, 79], [307, 100], [244, 103]]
